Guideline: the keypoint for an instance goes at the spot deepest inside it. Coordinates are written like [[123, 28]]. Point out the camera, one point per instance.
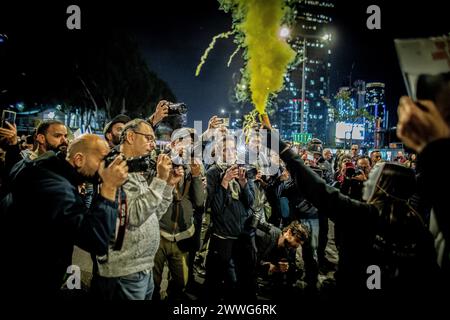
[[177, 161], [250, 171], [9, 116], [351, 170], [177, 108], [138, 164]]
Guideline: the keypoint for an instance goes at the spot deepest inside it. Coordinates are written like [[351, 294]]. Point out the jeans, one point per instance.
[[135, 286], [313, 228], [309, 250]]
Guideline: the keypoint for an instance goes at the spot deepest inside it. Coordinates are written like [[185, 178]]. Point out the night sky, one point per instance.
[[174, 34]]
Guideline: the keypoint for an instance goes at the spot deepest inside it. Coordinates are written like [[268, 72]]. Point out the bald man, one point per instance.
[[48, 216]]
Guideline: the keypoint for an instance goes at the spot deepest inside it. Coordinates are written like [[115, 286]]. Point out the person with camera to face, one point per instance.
[[50, 216], [230, 195], [354, 177], [125, 272], [177, 224]]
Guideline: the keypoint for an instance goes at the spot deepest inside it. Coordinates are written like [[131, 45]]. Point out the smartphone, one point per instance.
[[9, 116]]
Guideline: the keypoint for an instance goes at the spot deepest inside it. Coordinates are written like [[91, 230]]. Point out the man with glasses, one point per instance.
[[114, 128], [125, 273]]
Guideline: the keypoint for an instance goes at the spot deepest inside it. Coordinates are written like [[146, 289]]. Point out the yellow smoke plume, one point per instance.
[[268, 54]]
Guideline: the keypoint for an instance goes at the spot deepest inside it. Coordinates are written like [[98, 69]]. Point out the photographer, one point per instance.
[[276, 254], [354, 177], [230, 196], [114, 128], [176, 225], [48, 216], [51, 135], [126, 271]]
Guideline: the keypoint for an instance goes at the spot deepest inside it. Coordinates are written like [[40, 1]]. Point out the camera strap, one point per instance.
[[177, 200], [123, 220]]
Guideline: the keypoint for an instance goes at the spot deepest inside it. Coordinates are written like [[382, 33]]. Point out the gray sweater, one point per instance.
[[146, 205]]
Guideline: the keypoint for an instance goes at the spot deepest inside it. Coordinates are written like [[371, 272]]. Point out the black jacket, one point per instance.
[[46, 219], [228, 216], [437, 196], [358, 222]]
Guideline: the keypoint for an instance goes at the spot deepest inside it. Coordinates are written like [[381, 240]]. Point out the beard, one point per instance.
[[115, 139], [59, 148]]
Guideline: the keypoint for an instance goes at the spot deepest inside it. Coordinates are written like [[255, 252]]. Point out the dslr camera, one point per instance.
[[351, 170], [138, 164], [177, 108], [250, 171]]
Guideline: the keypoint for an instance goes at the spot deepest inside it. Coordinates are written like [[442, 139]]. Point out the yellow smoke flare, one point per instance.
[[210, 47], [268, 54]]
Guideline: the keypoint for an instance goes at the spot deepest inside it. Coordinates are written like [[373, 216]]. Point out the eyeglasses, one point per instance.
[[148, 137]]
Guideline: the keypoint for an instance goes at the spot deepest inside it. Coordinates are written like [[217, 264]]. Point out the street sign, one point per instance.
[[301, 137]]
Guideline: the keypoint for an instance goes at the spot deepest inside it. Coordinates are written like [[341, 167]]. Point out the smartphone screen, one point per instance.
[[9, 116]]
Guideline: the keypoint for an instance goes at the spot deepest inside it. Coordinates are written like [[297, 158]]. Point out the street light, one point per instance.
[[285, 32]]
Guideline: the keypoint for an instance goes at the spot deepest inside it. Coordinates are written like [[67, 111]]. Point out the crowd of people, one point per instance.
[[278, 219]]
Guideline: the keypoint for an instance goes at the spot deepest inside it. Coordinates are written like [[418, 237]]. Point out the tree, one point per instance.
[[117, 78], [92, 75]]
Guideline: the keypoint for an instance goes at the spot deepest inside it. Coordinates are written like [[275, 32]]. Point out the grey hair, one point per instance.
[[132, 125]]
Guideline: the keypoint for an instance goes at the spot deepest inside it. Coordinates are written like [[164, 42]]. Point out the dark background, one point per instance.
[[173, 35]]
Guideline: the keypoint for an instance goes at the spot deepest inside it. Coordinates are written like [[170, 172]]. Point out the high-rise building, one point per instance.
[[376, 106], [289, 118], [311, 40]]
